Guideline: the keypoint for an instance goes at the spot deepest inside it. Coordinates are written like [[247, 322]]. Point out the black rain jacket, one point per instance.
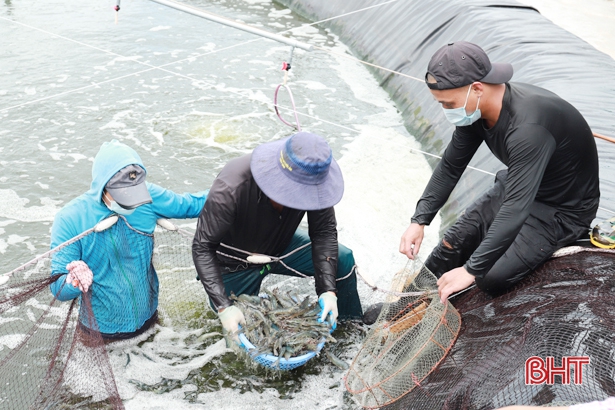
[[237, 213], [551, 157]]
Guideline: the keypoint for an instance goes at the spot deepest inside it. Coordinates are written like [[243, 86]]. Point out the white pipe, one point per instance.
[[232, 23]]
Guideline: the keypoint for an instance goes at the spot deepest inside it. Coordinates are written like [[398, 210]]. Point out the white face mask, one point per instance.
[[115, 207], [459, 117]]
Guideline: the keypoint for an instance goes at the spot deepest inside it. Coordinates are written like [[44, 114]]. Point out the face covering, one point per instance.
[[115, 207], [459, 117]]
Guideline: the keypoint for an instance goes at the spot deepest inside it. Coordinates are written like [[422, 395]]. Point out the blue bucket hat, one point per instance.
[[298, 172]]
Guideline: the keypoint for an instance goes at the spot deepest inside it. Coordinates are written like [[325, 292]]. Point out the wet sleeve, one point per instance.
[[456, 158], [530, 148], [322, 228], [61, 232], [168, 204], [214, 222]]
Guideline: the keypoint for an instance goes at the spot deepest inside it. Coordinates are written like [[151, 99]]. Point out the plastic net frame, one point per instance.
[[411, 336]]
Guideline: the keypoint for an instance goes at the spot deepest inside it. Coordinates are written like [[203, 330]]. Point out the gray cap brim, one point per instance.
[[132, 196], [287, 192], [500, 73]]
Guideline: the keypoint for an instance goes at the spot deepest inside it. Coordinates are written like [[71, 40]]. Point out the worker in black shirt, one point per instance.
[[254, 208], [547, 197]]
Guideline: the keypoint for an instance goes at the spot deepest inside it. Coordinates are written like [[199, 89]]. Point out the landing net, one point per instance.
[[412, 335]]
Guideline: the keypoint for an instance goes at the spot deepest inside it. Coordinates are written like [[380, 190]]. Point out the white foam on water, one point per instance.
[[314, 85], [13, 207], [167, 356], [383, 181], [208, 47]]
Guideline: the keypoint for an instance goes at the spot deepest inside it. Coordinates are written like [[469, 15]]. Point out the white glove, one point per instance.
[[231, 317], [328, 303], [79, 275]]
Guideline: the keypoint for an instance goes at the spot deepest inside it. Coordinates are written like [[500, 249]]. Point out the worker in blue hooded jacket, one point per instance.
[[115, 264]]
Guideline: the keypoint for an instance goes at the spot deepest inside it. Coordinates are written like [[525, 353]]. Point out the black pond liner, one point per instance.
[[403, 35]]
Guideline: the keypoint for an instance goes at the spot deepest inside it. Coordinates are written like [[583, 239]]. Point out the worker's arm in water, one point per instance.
[[454, 281], [411, 240], [445, 177]]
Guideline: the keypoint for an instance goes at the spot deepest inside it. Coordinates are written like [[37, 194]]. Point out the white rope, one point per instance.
[[571, 250], [354, 269]]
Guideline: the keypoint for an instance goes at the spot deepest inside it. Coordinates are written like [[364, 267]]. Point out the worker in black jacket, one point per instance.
[[255, 206], [547, 197]]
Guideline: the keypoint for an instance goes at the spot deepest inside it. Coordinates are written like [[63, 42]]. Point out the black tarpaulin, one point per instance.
[[403, 35]]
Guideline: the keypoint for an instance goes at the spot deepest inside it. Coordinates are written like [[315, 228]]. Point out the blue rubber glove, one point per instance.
[[231, 317], [328, 304]]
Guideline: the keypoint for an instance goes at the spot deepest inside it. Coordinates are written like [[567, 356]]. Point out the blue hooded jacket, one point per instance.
[[124, 289]]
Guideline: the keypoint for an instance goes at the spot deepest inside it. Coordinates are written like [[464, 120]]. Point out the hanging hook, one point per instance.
[[117, 10], [286, 66]]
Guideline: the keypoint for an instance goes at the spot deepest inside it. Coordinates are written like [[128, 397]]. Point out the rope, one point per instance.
[[237, 93], [609, 139], [354, 269]]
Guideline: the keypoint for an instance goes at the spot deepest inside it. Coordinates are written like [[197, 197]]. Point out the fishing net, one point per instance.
[[411, 336], [52, 353], [566, 308]]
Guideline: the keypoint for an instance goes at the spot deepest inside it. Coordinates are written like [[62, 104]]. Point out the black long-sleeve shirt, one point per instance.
[[237, 213], [551, 157]]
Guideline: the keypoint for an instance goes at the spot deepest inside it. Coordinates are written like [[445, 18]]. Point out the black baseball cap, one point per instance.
[[461, 63], [127, 187]]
